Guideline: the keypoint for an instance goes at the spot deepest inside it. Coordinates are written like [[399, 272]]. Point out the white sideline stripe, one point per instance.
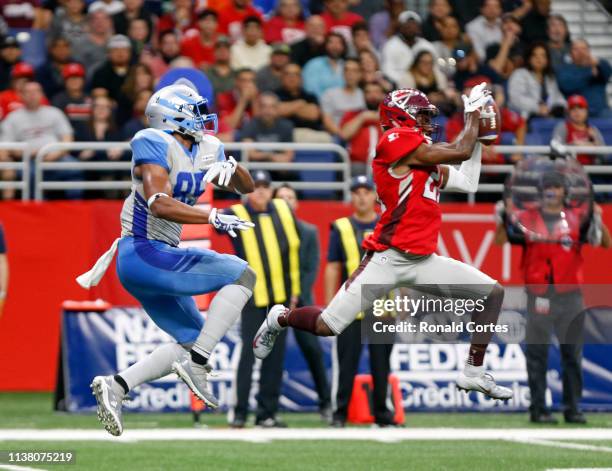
[[263, 435], [568, 445], [13, 467]]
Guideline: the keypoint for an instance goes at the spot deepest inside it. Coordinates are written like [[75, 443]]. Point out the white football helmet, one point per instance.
[[180, 108]]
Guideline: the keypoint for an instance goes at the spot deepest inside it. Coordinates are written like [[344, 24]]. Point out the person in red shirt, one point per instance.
[[339, 19], [10, 99], [409, 172], [287, 24], [232, 15], [576, 129], [361, 129], [511, 122], [237, 105], [199, 44]]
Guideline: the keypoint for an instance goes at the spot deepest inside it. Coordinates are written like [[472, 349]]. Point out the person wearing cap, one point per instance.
[[199, 43], [10, 54], [588, 76], [486, 29], [272, 249], [400, 50], [343, 257], [38, 124], [310, 254], [251, 50], [576, 129], [269, 77], [110, 77], [11, 99], [74, 101], [552, 234]]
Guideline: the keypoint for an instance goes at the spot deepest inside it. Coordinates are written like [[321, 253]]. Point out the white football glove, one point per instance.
[[479, 97], [228, 222], [224, 170]]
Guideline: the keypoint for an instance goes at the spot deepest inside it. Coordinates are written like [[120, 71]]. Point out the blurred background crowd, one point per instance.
[[291, 71]]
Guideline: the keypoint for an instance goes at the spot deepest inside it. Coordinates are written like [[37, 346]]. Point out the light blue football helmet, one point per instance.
[[179, 108]]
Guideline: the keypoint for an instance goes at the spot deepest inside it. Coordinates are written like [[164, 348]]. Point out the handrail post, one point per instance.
[[25, 184]]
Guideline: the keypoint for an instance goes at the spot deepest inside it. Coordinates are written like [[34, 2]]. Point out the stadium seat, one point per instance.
[[605, 127], [544, 127], [317, 175]]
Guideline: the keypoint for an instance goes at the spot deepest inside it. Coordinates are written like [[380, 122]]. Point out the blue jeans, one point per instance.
[[164, 279]]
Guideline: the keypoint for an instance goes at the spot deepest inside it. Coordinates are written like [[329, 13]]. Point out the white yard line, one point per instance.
[[12, 467], [568, 445], [265, 435]]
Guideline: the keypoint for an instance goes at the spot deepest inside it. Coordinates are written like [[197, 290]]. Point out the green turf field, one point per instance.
[[33, 411]]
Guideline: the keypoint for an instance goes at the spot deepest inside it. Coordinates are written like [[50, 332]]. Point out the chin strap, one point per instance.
[[465, 179]]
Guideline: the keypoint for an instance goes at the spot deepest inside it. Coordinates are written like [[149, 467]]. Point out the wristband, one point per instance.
[[153, 198]]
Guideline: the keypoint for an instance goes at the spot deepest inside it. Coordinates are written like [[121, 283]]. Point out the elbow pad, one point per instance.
[[465, 179]]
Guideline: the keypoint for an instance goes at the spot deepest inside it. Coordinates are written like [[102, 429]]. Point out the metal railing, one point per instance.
[[41, 166], [343, 167], [23, 165]]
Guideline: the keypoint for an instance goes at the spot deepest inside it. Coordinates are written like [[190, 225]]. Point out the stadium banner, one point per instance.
[[101, 343], [70, 236]]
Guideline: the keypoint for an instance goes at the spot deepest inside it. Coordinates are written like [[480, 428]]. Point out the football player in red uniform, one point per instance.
[[409, 172]]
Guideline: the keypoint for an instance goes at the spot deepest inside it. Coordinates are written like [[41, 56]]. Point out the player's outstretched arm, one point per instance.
[[443, 153]]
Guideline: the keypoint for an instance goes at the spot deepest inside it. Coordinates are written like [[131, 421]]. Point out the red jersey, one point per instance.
[[411, 214], [193, 47], [577, 134], [363, 143], [277, 30]]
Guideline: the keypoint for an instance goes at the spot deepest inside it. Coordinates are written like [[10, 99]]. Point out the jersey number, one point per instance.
[[189, 186], [432, 188]]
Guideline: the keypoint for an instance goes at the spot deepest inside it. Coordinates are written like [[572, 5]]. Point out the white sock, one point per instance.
[[222, 314], [155, 365], [473, 371]]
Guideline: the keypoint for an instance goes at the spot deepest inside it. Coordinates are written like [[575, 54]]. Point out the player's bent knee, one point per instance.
[[248, 278]]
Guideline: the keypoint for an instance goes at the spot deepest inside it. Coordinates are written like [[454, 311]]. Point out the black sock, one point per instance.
[[199, 359], [122, 383]]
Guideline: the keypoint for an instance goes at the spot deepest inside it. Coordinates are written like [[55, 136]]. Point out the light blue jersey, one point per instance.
[[150, 265], [186, 171]]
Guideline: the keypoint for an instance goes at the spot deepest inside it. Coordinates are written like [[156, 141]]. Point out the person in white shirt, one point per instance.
[[251, 51], [400, 50], [337, 101], [485, 29]]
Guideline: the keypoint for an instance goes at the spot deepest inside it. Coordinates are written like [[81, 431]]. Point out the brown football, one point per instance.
[[490, 125]]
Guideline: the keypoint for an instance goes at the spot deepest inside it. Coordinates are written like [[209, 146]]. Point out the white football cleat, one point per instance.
[[109, 404], [478, 380], [195, 376], [267, 333]]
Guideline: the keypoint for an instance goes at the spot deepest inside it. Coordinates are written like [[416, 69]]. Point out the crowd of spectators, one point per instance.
[[289, 70]]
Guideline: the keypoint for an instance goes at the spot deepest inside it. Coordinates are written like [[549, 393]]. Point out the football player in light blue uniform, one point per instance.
[[172, 162]]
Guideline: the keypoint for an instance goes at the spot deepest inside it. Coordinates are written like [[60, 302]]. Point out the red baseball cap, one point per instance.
[[577, 100], [22, 69], [73, 69]]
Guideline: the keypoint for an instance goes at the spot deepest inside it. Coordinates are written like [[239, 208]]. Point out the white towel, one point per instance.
[[93, 276]]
